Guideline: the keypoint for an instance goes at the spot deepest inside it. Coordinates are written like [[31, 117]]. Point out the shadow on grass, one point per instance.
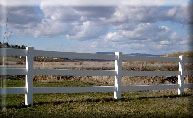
[[166, 96], [92, 114], [111, 99], [128, 99], [20, 106]]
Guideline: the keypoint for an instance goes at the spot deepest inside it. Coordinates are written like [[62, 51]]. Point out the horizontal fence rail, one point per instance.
[[149, 73], [143, 58], [74, 72], [74, 89], [13, 71], [188, 72], [73, 55], [188, 60], [149, 87], [29, 71], [188, 85], [13, 90], [12, 52]]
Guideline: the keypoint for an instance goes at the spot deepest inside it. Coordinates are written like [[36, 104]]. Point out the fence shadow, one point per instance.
[[95, 114], [103, 100], [128, 99]]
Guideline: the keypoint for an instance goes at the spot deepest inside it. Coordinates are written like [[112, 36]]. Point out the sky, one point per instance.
[[128, 26]]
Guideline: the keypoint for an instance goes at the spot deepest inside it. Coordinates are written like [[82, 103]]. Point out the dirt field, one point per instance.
[[106, 65]]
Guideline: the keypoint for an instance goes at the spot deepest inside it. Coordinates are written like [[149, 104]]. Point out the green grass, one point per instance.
[[133, 104]]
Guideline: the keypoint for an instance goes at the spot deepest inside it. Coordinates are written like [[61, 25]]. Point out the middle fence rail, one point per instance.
[[118, 57]]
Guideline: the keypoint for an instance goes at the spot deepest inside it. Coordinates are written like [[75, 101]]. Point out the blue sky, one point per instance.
[[155, 27]]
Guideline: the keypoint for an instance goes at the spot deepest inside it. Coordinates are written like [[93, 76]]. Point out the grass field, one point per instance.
[[133, 104], [165, 103]]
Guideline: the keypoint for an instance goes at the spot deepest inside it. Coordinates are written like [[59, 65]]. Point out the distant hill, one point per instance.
[[177, 54], [142, 54], [132, 54]]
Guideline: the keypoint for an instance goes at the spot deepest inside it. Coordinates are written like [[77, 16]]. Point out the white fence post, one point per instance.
[[181, 76], [29, 76], [118, 76]]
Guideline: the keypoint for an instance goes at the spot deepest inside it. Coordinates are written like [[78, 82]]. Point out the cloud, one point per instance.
[[112, 2], [22, 15], [150, 14], [114, 23], [77, 23], [60, 14], [48, 28], [69, 14], [145, 46], [88, 30], [190, 15], [92, 2], [95, 12], [85, 22], [142, 31], [20, 19], [143, 38], [16, 3]]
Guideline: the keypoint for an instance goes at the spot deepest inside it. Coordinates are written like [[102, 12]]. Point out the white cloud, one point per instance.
[[109, 26], [48, 28], [150, 14], [61, 14], [20, 14], [16, 3], [142, 31], [19, 20], [190, 15], [144, 38], [164, 42], [112, 2], [84, 23], [77, 23], [88, 30], [145, 46]]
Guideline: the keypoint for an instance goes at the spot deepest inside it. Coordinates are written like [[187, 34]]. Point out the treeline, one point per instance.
[[7, 45], [38, 58]]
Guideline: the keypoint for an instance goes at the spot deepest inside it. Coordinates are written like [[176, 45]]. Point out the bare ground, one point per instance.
[[107, 65]]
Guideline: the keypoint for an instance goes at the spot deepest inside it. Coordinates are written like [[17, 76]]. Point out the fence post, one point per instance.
[[181, 76], [29, 76], [118, 76]]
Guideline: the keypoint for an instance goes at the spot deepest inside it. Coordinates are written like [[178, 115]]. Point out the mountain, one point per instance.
[[132, 54], [142, 54]]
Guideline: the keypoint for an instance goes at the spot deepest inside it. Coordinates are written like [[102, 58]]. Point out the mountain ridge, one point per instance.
[[131, 54]]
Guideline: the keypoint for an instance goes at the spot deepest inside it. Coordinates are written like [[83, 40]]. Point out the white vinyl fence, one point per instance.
[[29, 71]]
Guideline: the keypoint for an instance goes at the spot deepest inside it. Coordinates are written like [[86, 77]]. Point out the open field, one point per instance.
[[163, 103], [133, 104], [106, 65]]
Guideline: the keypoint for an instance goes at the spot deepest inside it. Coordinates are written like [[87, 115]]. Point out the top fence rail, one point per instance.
[[12, 52], [73, 55], [145, 58]]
